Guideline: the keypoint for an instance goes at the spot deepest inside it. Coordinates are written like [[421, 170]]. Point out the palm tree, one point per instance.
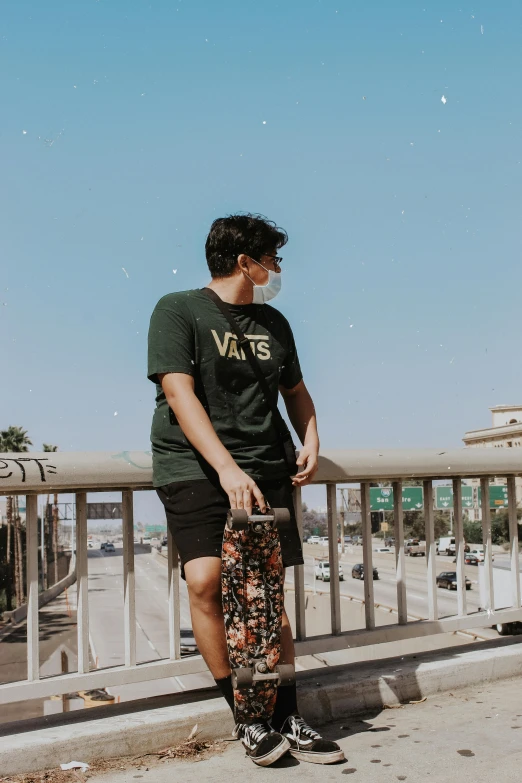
[[49, 447], [15, 439]]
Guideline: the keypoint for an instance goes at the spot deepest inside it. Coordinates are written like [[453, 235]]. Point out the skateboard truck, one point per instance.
[[238, 519], [246, 676]]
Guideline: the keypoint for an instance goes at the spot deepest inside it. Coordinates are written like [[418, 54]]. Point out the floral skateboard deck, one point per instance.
[[252, 587]]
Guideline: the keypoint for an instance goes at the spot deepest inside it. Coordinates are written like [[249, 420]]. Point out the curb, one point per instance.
[[135, 728]]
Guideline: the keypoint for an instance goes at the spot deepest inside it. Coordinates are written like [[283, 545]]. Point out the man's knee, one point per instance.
[[203, 577]]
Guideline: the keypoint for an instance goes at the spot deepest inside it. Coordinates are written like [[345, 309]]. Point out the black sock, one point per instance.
[[286, 704], [225, 686]]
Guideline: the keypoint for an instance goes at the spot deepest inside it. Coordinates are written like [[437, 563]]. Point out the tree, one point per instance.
[[15, 439], [49, 447], [314, 523]]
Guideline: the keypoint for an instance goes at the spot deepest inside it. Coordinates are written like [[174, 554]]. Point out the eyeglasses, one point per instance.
[[276, 259]]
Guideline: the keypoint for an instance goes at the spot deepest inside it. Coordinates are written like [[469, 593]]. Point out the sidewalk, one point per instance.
[[470, 735]]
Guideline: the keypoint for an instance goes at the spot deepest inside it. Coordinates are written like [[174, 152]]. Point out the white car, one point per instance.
[[382, 549], [323, 540], [322, 571], [478, 551], [313, 540]]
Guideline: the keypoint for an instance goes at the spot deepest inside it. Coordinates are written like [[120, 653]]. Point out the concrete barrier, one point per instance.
[[324, 695], [17, 615]]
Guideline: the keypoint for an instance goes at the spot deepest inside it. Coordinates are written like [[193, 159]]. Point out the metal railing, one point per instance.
[[127, 472]]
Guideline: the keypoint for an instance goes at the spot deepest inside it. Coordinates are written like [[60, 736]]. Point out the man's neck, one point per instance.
[[234, 290]]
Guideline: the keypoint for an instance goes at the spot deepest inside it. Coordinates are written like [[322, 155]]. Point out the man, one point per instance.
[[215, 445]]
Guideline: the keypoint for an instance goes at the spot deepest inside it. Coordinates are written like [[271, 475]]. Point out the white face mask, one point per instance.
[[264, 293]]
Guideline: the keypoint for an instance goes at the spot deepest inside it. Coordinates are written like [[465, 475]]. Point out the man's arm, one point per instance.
[[197, 428], [301, 411]]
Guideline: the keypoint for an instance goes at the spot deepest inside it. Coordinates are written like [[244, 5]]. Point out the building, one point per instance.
[[505, 433]]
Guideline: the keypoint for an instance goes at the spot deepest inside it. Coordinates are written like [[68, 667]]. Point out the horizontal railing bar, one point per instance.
[[40, 472], [155, 670], [395, 632], [100, 678]]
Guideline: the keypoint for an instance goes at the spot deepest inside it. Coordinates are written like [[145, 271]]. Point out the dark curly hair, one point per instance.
[[228, 237]]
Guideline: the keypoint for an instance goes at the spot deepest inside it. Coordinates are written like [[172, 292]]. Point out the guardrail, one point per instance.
[[127, 471]]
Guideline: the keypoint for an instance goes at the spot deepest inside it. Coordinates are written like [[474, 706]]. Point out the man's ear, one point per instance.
[[242, 261]]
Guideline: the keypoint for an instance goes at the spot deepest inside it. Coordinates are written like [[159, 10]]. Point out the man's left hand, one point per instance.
[[308, 461]]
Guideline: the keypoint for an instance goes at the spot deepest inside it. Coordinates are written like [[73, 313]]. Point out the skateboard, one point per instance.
[[252, 588]]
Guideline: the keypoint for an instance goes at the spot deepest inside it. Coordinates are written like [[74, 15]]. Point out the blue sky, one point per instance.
[[128, 126]]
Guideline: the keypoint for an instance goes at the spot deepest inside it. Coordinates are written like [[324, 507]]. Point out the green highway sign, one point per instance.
[[155, 528], [412, 498], [381, 498], [498, 496], [444, 498]]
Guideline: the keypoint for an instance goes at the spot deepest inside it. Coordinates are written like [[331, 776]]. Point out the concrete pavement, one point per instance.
[[473, 734], [333, 696]]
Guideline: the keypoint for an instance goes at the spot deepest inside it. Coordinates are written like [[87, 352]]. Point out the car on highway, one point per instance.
[[347, 539], [448, 579], [382, 549], [161, 544], [187, 642], [313, 539], [103, 544], [358, 572], [470, 559], [322, 571], [413, 547], [357, 539], [109, 548], [323, 540], [478, 551]]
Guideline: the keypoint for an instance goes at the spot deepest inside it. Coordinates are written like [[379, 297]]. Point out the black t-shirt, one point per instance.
[[189, 334]]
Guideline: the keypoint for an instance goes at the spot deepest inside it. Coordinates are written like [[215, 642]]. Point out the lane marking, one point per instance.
[[183, 688]]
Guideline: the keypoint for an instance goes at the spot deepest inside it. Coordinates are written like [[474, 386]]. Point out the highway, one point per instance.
[[152, 628], [385, 588], [152, 642]]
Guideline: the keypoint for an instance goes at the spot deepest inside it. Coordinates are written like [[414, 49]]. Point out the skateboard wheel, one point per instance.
[[281, 516], [237, 519], [242, 678], [286, 674]]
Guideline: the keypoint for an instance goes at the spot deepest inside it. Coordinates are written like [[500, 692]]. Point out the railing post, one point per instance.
[[369, 608], [431, 551], [299, 587], [129, 579], [33, 654], [82, 583], [400, 564], [174, 598], [486, 540], [513, 539], [333, 554], [459, 547]]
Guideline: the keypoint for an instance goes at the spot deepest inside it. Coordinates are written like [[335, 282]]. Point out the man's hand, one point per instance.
[[241, 489], [308, 460]]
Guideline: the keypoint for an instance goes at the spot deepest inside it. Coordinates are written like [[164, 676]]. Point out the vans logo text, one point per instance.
[[229, 347]]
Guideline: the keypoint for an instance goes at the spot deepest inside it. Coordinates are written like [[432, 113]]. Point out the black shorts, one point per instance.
[[196, 513]]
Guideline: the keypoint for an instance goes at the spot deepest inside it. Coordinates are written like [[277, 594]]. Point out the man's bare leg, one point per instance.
[[203, 577]]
